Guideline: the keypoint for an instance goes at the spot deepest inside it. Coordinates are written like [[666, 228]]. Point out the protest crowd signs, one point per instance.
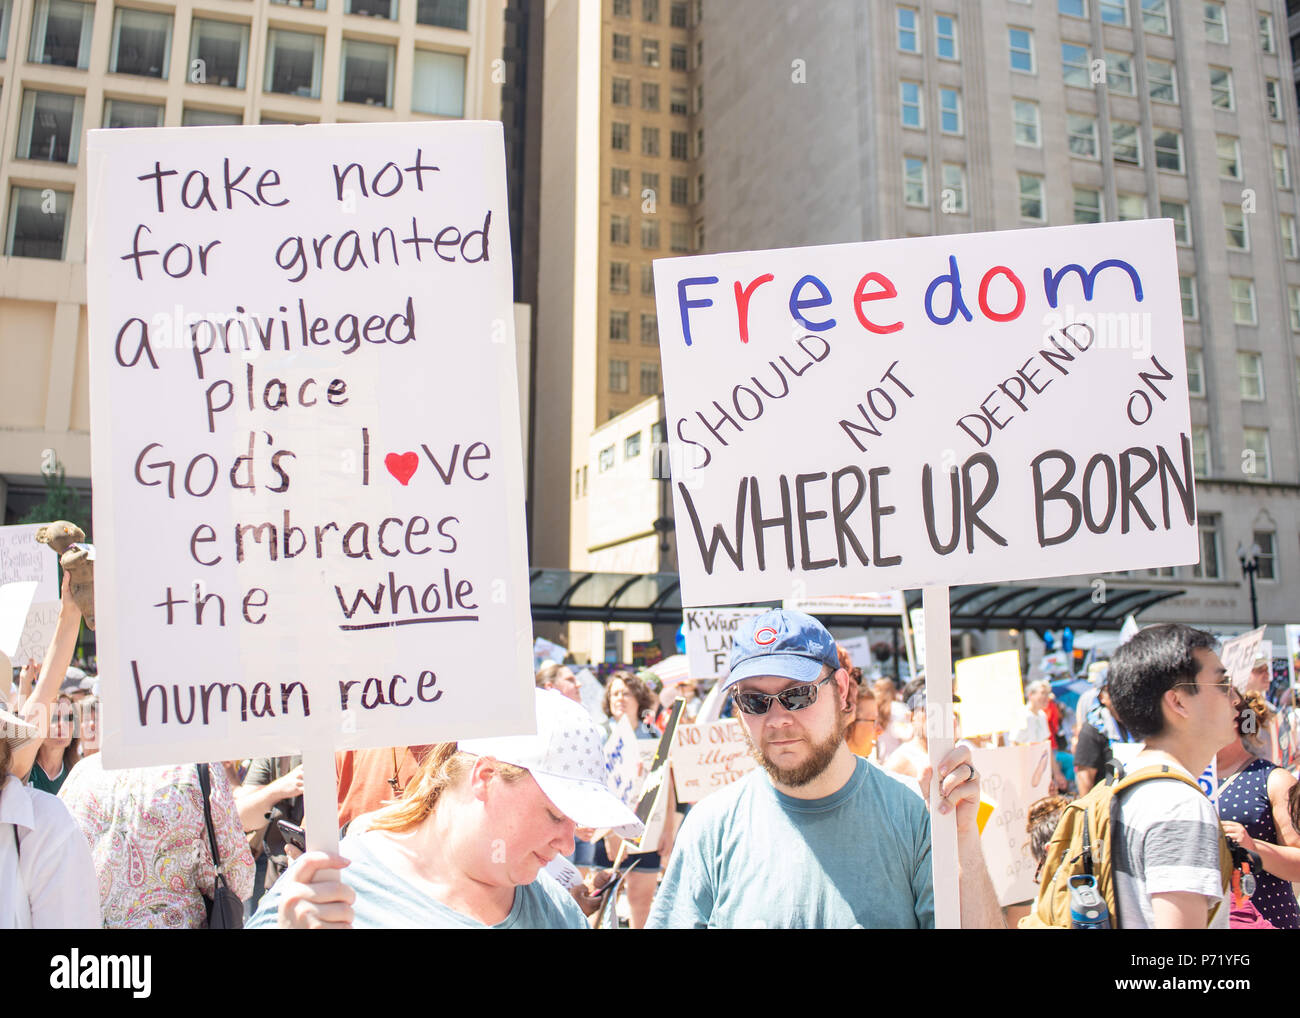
[[707, 757], [1012, 778], [992, 700], [708, 633], [816, 449], [29, 594], [307, 469], [1238, 655]]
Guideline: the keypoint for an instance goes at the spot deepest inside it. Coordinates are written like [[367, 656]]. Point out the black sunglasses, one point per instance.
[[794, 698]]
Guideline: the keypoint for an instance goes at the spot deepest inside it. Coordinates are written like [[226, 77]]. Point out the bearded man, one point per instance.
[[815, 837]]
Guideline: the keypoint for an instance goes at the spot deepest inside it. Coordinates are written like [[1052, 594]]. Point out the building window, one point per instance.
[[294, 64], [1221, 88], [318, 5], [677, 58], [650, 234], [1082, 134], [649, 381], [619, 275], [142, 43], [649, 329], [650, 96], [679, 238], [618, 375], [1032, 205], [1229, 153], [50, 128], [699, 187], [650, 52], [1266, 559], [38, 219], [1124, 143], [1087, 205], [910, 109], [1187, 292], [950, 110], [650, 11], [1237, 233], [1072, 8], [909, 38], [1177, 211], [1169, 151], [1216, 22], [619, 231], [620, 136], [649, 182], [1250, 368], [1273, 98], [914, 187], [1074, 65], [618, 326], [1293, 301], [60, 33], [386, 9], [1255, 461], [1155, 16], [679, 145], [622, 8], [438, 85], [649, 141], [1020, 42], [443, 13], [954, 188], [1119, 74], [945, 36], [1027, 126], [1243, 313], [678, 101], [1195, 373], [1113, 12], [1201, 453], [218, 53], [1162, 82], [632, 446], [1267, 41], [605, 461], [679, 190], [1290, 246], [622, 47], [1208, 567], [620, 182], [677, 15], [191, 117], [647, 279], [1129, 207], [620, 91], [1281, 167], [120, 113], [367, 73]]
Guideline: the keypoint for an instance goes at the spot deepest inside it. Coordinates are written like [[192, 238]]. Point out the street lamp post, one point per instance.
[[1249, 558]]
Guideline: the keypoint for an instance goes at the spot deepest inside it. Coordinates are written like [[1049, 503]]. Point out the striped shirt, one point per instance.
[[1165, 838]]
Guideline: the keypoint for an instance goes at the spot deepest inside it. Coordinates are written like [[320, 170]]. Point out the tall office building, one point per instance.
[[933, 116], [68, 66]]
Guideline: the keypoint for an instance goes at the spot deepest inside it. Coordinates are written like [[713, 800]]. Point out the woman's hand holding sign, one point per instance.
[[308, 904]]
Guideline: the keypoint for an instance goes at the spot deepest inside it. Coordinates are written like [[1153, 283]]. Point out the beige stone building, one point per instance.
[[67, 67]]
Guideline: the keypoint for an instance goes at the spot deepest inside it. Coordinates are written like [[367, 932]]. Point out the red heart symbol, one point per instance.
[[402, 465]]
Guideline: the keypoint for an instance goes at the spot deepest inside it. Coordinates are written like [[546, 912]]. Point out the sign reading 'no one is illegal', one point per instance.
[[307, 470], [930, 411]]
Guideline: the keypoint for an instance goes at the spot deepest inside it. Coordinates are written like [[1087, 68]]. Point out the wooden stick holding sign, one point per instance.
[[939, 731], [320, 803]]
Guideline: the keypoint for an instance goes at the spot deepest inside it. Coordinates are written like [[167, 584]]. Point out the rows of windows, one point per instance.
[[678, 12], [620, 376], [679, 142], [1210, 567], [679, 187], [678, 96]]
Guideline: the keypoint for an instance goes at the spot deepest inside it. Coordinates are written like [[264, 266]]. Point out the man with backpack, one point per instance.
[[1152, 841]]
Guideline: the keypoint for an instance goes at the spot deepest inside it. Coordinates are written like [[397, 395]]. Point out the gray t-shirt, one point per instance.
[[387, 901], [751, 857]]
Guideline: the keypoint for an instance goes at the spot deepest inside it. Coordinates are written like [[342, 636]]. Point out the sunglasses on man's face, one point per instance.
[[794, 698]]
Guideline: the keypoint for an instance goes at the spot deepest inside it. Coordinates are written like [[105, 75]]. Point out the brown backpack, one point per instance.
[[1082, 846]]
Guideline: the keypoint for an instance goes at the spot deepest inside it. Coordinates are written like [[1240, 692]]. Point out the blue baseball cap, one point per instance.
[[779, 642]]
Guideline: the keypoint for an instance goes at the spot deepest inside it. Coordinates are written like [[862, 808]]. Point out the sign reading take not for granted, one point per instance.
[[929, 411], [308, 481]]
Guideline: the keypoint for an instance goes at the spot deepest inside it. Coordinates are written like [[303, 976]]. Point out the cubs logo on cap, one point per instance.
[[788, 644], [766, 636]]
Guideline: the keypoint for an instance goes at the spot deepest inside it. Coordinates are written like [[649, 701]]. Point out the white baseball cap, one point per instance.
[[567, 760]]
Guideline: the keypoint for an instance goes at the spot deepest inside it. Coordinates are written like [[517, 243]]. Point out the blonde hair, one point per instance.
[[444, 767]]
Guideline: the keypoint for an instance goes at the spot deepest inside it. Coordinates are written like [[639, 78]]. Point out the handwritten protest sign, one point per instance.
[[708, 757], [1238, 655], [990, 691], [309, 502], [709, 633], [890, 603], [30, 612], [1012, 779], [906, 413], [858, 648], [917, 616], [623, 765]]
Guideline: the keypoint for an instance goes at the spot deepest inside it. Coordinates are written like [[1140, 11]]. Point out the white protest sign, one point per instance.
[[907, 413], [890, 603], [623, 763], [15, 602], [1128, 630], [308, 480], [992, 700], [918, 635], [708, 633], [1012, 779], [858, 648], [708, 757], [1209, 781], [1238, 655], [22, 560]]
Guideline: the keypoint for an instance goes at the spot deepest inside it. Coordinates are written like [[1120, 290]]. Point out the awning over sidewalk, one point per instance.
[[562, 595]]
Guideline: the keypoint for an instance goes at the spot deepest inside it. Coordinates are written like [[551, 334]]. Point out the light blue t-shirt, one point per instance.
[[387, 901], [749, 856]]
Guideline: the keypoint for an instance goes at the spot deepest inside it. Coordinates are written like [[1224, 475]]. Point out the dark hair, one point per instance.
[[645, 700], [1044, 815], [1148, 666]]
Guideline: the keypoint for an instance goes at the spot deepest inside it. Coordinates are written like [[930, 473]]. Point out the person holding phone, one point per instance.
[[466, 844]]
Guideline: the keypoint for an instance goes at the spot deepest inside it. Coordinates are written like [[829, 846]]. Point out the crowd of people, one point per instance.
[[831, 829]]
